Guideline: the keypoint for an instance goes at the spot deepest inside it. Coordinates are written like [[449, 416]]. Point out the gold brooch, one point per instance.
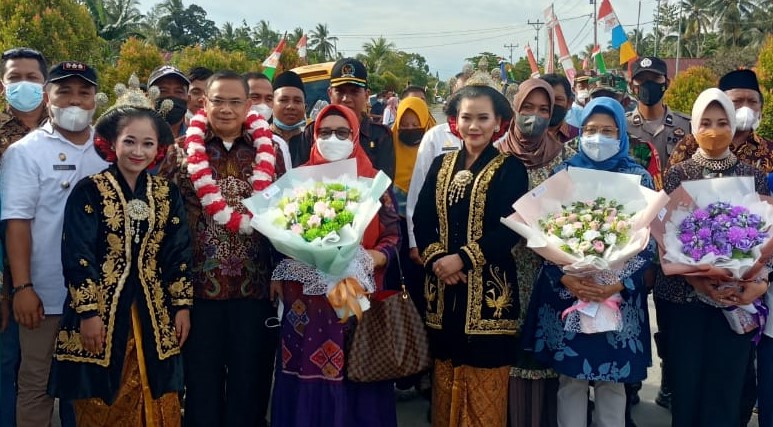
[[458, 186], [137, 210]]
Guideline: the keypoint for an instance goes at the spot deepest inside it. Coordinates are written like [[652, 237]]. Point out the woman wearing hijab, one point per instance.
[[533, 386], [413, 120], [310, 387], [609, 359], [471, 285], [708, 359]]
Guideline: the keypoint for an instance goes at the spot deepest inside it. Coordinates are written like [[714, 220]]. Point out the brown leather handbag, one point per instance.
[[390, 341]]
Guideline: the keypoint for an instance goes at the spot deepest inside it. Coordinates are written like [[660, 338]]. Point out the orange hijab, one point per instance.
[[364, 166]]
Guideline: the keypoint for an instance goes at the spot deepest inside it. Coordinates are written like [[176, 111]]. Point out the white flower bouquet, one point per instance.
[[593, 224], [317, 215]]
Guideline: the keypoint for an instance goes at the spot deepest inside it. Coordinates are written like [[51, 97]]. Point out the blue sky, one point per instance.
[[444, 32]]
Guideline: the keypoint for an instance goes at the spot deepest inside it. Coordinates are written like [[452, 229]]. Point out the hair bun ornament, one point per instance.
[[131, 95]]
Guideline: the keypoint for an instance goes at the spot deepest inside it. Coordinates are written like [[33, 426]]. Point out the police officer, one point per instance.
[[652, 120], [349, 87]]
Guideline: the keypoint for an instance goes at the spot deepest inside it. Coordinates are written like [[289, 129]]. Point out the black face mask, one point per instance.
[[176, 113], [650, 93], [559, 113], [410, 137]]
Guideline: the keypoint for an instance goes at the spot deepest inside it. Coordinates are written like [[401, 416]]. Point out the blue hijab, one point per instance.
[[621, 160]]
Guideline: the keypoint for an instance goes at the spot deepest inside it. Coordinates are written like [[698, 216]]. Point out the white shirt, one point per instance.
[[38, 174], [285, 151], [436, 141], [388, 119]]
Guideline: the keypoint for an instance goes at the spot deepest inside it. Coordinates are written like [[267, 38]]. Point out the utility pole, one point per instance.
[[678, 41], [657, 29], [537, 25], [638, 20], [511, 47], [595, 25]]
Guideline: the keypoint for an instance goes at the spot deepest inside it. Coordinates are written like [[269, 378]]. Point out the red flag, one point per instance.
[[532, 61], [301, 47]]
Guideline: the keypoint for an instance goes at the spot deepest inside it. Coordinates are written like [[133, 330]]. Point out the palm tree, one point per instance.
[[265, 36], [294, 37], [378, 51], [730, 16], [696, 22], [322, 43], [116, 20]]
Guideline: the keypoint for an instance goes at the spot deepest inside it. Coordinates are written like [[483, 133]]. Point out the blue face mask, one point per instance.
[[599, 147], [24, 96], [286, 127]]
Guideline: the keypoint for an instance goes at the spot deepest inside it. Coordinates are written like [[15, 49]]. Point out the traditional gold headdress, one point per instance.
[[132, 95]]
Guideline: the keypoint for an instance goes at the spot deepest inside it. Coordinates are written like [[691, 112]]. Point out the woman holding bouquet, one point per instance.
[[610, 359], [310, 387], [126, 257], [471, 289], [533, 386], [709, 359]]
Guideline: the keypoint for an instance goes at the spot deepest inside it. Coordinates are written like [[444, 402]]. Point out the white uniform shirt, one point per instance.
[[436, 141], [38, 173], [285, 151]]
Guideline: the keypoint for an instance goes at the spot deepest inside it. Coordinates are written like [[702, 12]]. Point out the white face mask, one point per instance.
[[746, 119], [583, 95], [599, 147], [264, 110], [334, 149], [73, 119]]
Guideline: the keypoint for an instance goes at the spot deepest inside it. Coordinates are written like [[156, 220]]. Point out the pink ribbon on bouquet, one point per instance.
[[612, 302]]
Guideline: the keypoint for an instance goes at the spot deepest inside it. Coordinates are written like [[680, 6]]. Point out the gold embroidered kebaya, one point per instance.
[[135, 228]]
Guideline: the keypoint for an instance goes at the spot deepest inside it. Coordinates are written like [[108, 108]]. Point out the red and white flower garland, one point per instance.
[[208, 190]]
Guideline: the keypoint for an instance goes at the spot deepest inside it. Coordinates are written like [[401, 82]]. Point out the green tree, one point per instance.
[[727, 59], [116, 20], [322, 44], [696, 21], [184, 26], [265, 36], [60, 29], [295, 36], [686, 87], [491, 58], [214, 59], [765, 76], [730, 16], [377, 52], [137, 57]]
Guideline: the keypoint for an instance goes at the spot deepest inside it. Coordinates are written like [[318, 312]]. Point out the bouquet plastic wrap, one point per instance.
[[718, 228], [317, 215], [591, 223]]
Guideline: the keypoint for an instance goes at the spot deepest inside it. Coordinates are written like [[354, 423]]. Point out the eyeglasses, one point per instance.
[[22, 52], [232, 103], [606, 131], [341, 133]]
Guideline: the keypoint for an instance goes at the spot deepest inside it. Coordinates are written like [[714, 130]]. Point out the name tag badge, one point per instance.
[[64, 167]]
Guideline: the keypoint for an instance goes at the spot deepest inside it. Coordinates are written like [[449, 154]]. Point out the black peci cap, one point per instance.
[[349, 71], [289, 79], [739, 79], [68, 69]]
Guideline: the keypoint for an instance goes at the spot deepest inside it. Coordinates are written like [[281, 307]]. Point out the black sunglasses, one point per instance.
[[22, 52]]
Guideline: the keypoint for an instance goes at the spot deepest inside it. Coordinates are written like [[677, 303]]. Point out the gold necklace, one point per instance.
[[137, 210], [715, 164], [459, 184]]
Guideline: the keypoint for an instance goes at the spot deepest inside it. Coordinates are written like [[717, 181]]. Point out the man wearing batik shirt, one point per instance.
[[744, 90], [23, 72], [230, 353]]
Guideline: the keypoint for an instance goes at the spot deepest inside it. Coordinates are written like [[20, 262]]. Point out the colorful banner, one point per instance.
[[598, 58], [301, 47], [272, 62], [619, 39], [532, 61], [563, 50]]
